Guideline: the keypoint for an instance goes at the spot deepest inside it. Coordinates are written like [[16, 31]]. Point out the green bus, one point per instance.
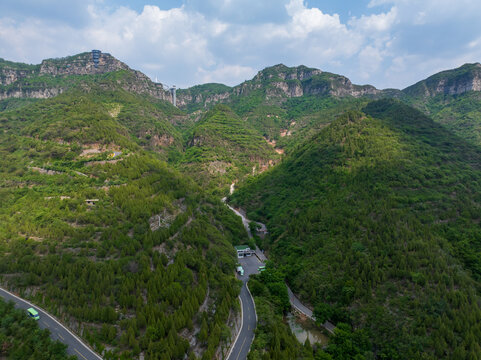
[[261, 268], [33, 313]]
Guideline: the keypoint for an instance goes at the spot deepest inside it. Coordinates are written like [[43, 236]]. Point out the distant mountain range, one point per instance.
[[21, 80]]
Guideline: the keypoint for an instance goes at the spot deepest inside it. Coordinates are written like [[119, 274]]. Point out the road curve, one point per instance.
[[250, 264], [59, 332]]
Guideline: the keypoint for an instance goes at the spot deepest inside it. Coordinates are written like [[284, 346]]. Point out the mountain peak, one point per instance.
[[283, 72], [54, 76], [87, 63]]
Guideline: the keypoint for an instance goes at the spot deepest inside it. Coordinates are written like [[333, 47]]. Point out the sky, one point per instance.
[[385, 43]]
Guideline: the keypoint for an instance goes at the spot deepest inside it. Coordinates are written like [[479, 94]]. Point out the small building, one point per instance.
[[243, 250], [91, 202]]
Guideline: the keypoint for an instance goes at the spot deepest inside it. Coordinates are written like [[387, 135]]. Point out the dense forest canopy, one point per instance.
[[377, 216]]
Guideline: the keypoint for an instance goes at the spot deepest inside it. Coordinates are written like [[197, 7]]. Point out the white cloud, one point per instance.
[[216, 40], [370, 59], [226, 73], [375, 23], [432, 11], [305, 21]]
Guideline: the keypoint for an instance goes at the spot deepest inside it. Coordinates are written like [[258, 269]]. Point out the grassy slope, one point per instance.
[[150, 284], [379, 218]]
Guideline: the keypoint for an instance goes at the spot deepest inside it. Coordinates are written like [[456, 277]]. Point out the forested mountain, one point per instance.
[[284, 104], [281, 101], [96, 228], [452, 98], [55, 76], [373, 208], [375, 221]]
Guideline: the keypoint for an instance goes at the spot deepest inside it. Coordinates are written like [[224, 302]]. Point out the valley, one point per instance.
[[111, 216]]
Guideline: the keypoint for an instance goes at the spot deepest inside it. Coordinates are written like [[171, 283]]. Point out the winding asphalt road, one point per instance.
[[251, 264], [57, 331]]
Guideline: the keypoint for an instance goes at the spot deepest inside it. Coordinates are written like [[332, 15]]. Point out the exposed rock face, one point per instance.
[[451, 82], [339, 86], [162, 141], [9, 76], [290, 89], [185, 99], [285, 73], [31, 93], [301, 80]]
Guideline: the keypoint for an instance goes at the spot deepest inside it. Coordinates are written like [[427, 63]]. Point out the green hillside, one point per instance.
[[222, 148], [98, 116], [97, 229], [459, 113], [110, 215], [375, 222]]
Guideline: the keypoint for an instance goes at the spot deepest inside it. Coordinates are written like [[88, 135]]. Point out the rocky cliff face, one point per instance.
[[451, 82], [184, 99], [16, 81], [9, 75], [31, 93]]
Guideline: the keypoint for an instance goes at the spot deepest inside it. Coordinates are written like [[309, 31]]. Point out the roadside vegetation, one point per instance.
[[21, 338]]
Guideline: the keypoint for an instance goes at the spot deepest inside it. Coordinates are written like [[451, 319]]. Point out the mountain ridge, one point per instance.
[[281, 80]]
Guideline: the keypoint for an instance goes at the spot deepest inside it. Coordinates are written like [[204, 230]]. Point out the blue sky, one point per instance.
[[386, 43]]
